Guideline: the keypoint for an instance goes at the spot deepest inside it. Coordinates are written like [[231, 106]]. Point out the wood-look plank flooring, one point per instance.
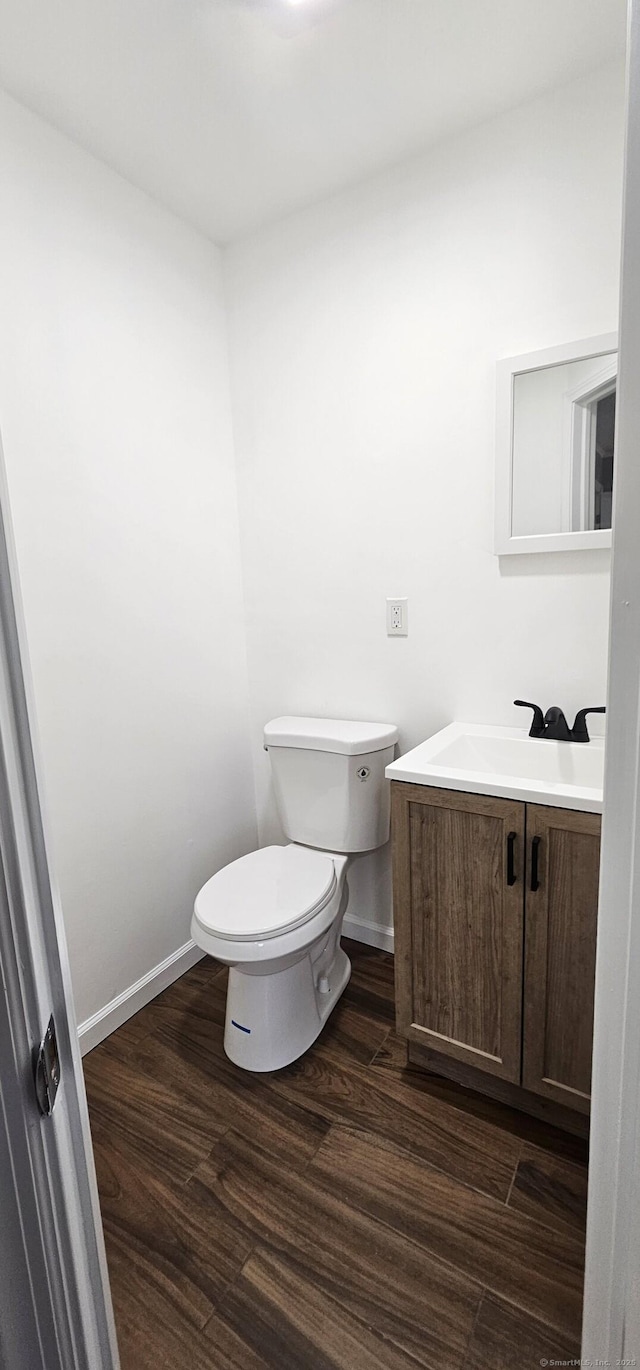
[[346, 1212]]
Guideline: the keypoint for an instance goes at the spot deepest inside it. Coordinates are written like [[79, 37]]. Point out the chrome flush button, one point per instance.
[[363, 773]]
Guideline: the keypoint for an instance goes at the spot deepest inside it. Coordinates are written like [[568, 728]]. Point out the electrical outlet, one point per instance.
[[397, 618]]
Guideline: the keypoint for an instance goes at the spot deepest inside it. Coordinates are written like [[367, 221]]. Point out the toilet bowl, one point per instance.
[[275, 916]]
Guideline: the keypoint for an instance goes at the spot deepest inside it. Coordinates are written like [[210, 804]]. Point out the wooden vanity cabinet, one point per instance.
[[458, 924], [495, 905], [561, 912]]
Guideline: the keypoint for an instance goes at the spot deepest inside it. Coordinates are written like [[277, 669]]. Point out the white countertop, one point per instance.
[[482, 759]]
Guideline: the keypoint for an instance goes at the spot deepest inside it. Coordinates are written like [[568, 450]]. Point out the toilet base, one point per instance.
[[273, 1019]]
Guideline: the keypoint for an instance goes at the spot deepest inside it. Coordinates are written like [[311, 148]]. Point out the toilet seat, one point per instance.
[[273, 890]]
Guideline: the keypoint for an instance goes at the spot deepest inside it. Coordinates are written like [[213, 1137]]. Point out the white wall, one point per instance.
[[115, 415], [364, 335]]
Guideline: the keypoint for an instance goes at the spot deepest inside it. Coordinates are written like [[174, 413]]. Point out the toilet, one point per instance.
[[275, 917]]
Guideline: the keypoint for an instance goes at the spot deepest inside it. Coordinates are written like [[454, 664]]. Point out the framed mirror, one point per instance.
[[555, 441]]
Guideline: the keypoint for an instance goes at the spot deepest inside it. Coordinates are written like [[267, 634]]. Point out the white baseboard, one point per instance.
[[373, 934], [115, 1013]]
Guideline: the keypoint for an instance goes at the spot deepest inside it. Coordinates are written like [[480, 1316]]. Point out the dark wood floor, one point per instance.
[[345, 1212]]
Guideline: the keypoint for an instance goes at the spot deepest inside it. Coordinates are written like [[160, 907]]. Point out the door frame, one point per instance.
[[50, 1174], [611, 1324]]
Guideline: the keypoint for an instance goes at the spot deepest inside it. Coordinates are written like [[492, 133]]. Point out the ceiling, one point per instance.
[[232, 113]]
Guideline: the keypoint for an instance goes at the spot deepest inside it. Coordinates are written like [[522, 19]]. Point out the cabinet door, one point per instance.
[[560, 953], [458, 915]]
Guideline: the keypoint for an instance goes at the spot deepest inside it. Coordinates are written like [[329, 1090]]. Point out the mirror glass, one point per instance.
[[562, 460]]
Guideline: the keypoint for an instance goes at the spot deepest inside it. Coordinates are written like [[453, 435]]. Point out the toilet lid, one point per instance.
[[267, 892]]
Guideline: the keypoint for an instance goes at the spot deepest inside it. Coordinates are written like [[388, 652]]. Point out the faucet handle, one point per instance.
[[537, 723], [579, 731]]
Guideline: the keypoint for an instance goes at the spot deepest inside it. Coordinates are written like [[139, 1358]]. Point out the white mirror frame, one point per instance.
[[506, 543]]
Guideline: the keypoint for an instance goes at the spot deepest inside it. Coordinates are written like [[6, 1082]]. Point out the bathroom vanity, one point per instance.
[[496, 847]]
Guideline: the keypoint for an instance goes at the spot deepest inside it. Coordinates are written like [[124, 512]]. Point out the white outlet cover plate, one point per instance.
[[397, 617]]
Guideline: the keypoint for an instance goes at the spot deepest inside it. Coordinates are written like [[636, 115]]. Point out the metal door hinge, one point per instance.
[[47, 1070]]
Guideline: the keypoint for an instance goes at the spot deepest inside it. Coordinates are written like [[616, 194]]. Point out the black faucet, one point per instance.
[[554, 725], [579, 731]]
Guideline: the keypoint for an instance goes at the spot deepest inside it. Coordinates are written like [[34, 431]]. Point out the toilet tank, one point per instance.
[[329, 781]]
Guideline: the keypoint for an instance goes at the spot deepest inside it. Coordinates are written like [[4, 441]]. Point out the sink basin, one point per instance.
[[505, 761]]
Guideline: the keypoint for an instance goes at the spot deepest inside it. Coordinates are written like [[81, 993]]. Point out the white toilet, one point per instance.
[[275, 916]]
